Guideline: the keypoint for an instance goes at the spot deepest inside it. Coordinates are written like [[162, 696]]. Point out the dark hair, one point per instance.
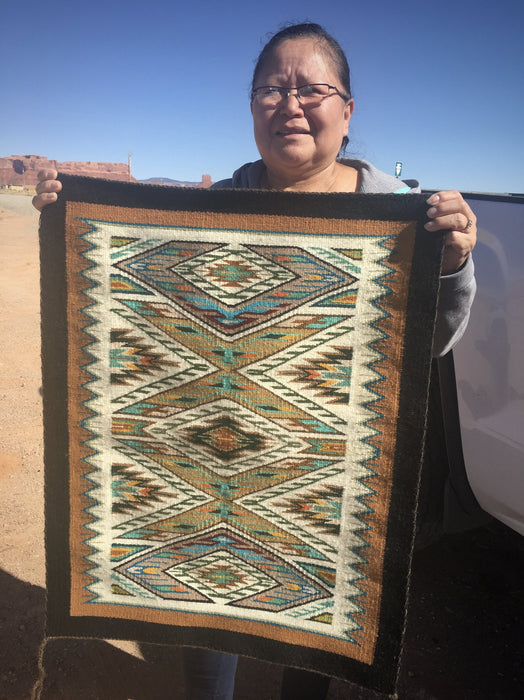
[[327, 42]]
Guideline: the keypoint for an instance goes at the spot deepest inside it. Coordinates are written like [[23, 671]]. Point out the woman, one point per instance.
[[301, 105]]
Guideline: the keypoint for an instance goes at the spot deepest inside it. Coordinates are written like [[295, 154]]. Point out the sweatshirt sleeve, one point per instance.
[[456, 295]]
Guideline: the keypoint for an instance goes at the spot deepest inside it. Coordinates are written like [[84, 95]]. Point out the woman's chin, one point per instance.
[[289, 155]]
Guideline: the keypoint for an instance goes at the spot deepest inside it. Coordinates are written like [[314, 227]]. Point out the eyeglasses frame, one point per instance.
[[287, 91]]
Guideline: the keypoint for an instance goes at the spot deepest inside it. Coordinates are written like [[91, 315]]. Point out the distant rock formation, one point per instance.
[[23, 170], [204, 183]]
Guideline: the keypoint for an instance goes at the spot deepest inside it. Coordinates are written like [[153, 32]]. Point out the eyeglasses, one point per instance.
[[307, 95]]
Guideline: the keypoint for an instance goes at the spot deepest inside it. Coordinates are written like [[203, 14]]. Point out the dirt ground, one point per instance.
[[464, 631]]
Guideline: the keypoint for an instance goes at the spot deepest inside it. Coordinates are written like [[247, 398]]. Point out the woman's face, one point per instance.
[[295, 142]]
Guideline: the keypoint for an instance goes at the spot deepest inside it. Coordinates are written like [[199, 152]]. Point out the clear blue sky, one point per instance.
[[437, 85]]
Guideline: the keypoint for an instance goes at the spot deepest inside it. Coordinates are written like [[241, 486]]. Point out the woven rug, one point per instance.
[[235, 392]]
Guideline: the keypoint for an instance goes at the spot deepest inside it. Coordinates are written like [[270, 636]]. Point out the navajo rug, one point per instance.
[[234, 396]]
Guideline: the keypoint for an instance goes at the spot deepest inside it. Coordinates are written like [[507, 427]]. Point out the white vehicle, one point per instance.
[[486, 457]]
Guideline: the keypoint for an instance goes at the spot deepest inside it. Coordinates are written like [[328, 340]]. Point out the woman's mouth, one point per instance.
[[292, 132]]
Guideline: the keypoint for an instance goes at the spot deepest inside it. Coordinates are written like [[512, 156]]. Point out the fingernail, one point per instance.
[[434, 199], [432, 211], [430, 225]]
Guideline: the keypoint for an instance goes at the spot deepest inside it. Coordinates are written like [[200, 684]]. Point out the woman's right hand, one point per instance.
[[47, 189]]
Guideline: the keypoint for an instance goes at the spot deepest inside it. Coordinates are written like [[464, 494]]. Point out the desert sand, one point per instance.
[[464, 617], [21, 468]]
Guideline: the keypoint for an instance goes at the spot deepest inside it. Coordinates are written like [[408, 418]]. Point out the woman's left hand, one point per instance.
[[449, 210]]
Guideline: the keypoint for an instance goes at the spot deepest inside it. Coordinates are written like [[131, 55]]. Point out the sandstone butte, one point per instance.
[[22, 171]]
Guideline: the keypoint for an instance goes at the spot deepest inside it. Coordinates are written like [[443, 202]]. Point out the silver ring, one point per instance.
[[468, 225]]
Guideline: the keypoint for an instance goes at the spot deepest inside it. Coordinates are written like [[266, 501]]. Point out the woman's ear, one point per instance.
[[348, 111]]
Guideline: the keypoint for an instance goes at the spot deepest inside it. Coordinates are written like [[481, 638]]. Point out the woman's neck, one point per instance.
[[335, 178]]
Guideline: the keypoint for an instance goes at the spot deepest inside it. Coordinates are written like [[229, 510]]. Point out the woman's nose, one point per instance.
[[291, 104]]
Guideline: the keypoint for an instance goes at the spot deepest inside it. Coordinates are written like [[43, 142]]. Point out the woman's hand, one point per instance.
[[449, 210], [47, 189]]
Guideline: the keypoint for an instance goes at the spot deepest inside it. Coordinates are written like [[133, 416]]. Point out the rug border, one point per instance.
[[54, 344], [390, 207]]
